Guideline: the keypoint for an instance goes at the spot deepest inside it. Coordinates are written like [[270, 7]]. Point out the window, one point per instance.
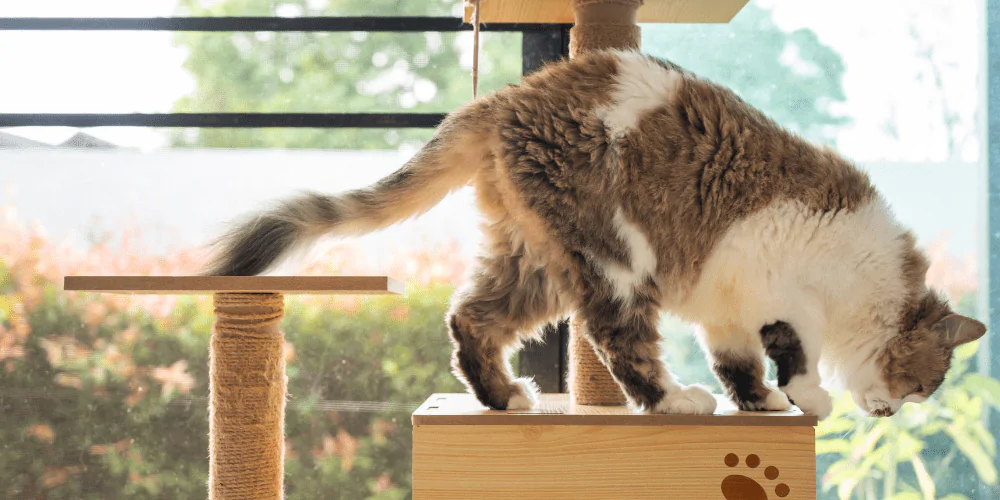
[[130, 130], [126, 142]]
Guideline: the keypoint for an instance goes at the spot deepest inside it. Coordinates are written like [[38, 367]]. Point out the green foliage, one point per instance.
[[332, 72], [106, 401], [792, 76]]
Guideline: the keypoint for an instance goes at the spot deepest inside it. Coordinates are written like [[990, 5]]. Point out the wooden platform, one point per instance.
[[555, 409], [462, 450], [652, 11], [192, 285]]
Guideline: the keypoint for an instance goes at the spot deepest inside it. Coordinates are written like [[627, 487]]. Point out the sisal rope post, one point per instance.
[[247, 387], [600, 24]]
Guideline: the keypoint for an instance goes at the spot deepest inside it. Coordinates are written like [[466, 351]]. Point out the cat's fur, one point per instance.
[[615, 186]]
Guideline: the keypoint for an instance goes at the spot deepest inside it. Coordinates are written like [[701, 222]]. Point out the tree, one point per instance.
[[791, 76], [335, 72]]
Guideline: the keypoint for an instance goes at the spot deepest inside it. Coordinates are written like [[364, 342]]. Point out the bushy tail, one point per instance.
[[261, 242]]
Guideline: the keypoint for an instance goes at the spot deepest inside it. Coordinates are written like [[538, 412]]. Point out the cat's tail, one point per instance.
[[263, 241]]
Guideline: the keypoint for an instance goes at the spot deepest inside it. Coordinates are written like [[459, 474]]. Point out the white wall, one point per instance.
[[182, 197]]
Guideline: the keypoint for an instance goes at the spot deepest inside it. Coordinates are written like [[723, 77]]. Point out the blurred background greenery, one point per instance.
[[105, 396]]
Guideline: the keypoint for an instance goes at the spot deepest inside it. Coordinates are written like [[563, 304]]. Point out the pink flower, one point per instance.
[[955, 277], [41, 432], [174, 377], [384, 483]]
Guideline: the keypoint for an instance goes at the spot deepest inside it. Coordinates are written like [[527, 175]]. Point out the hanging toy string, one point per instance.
[[475, 47]]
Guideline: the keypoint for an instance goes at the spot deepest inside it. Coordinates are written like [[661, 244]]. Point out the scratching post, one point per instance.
[[604, 24], [247, 400], [590, 383], [247, 383], [600, 24]]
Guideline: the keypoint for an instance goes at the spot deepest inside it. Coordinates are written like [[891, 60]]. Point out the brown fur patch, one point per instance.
[[783, 346], [917, 359], [695, 167]]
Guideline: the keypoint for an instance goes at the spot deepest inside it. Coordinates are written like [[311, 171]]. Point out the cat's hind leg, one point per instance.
[[737, 358], [488, 321]]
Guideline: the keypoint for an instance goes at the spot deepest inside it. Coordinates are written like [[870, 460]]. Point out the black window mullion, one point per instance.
[[543, 42], [224, 120], [547, 362], [230, 24]]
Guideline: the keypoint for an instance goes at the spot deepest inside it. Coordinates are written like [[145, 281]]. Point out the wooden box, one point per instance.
[[558, 451]]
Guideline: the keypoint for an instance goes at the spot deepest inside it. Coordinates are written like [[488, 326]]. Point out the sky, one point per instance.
[[887, 78]]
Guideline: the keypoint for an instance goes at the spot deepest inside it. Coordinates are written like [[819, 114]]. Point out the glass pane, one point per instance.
[[156, 139], [105, 396], [157, 72], [894, 87], [283, 8]]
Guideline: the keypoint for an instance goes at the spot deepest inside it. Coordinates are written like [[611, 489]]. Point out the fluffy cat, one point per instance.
[[616, 186]]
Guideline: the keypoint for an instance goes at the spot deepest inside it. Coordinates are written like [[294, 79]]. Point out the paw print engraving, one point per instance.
[[740, 487]]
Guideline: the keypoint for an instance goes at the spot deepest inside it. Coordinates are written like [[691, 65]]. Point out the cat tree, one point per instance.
[[588, 445], [247, 383]]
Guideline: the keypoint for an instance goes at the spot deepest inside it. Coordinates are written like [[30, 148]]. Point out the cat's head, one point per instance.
[[913, 363]]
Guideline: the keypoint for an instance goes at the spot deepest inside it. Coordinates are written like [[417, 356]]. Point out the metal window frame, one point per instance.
[[989, 358], [543, 33], [541, 43], [548, 361]]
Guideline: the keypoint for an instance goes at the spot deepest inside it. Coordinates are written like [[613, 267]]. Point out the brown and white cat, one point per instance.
[[616, 186]]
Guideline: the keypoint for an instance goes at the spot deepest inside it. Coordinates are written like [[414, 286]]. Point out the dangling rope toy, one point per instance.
[[475, 46]]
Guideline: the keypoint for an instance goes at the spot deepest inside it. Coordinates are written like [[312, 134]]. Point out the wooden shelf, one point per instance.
[[192, 285], [653, 11], [556, 409]]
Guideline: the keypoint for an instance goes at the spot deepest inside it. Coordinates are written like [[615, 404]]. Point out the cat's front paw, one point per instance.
[[691, 400], [775, 401], [811, 400], [524, 395]]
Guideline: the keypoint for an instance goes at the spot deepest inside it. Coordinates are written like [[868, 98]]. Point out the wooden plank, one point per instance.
[[653, 11], [192, 285], [555, 409], [612, 462]]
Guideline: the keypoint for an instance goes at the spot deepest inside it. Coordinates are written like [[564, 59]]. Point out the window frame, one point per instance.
[[541, 43], [989, 353]]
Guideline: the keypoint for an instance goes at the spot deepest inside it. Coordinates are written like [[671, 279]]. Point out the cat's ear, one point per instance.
[[958, 329]]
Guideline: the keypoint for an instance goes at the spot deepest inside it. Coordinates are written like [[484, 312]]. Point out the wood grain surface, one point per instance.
[[612, 462], [556, 409], [653, 11], [189, 285]]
